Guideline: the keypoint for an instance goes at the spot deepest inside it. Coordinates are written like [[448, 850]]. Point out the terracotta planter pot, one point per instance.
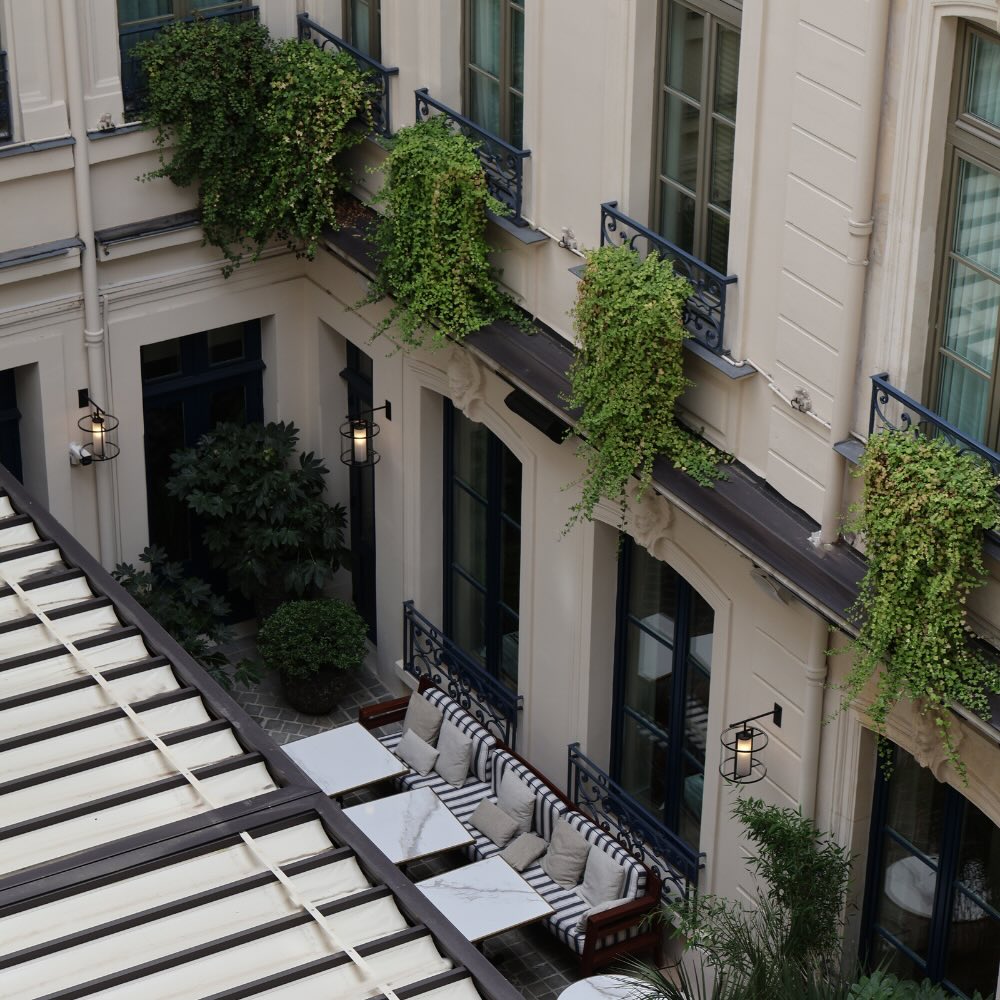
[[318, 694]]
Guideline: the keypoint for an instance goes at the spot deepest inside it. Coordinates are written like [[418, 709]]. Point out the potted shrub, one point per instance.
[[315, 646]]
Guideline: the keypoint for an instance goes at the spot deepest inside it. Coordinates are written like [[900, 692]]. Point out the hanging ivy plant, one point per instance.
[[924, 510], [258, 125], [431, 241], [628, 374]]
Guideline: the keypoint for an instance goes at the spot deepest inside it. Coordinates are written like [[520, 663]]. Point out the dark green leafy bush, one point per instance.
[[303, 638]]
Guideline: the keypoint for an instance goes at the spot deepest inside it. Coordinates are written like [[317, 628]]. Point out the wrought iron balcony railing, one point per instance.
[[428, 652], [633, 826], [705, 311], [6, 118], [503, 163], [133, 78], [893, 410], [310, 31]]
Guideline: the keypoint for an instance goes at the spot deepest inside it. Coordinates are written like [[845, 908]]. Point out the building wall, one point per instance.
[[798, 248]]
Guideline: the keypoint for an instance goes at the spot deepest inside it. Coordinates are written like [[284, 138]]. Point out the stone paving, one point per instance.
[[530, 958]]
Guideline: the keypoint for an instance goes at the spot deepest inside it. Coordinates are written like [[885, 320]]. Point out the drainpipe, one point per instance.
[[93, 327], [859, 227], [812, 715]]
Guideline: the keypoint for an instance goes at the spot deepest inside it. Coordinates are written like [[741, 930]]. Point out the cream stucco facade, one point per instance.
[[837, 175]]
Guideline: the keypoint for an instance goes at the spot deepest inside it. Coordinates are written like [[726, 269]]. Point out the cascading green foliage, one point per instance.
[[259, 125], [628, 375], [924, 510], [433, 254]]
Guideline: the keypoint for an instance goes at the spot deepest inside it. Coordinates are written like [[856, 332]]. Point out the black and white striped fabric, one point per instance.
[[482, 742], [548, 807]]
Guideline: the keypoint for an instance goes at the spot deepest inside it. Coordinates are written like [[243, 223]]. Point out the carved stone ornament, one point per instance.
[[650, 520], [465, 383], [927, 749]]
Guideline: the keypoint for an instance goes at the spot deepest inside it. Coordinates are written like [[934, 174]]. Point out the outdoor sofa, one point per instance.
[[622, 928]]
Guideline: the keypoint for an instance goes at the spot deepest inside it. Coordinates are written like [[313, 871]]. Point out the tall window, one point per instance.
[[699, 63], [139, 20], [494, 68], [663, 665], [482, 540], [6, 110], [932, 901], [964, 372], [363, 19]]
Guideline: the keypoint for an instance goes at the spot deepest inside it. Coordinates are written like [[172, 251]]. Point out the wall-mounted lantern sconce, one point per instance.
[[357, 436], [99, 426], [741, 743]]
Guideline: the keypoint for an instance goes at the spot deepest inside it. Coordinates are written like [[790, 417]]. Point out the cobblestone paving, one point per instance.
[[530, 958]]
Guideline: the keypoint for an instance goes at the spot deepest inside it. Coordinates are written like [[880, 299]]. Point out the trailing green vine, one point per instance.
[[628, 374], [433, 254], [924, 510], [259, 125]]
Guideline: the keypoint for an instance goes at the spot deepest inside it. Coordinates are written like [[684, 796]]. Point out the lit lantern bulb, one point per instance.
[[744, 753], [97, 433], [359, 442]]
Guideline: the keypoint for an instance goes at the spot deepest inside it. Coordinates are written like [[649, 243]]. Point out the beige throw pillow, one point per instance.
[[422, 718], [523, 851], [491, 820], [454, 755], [414, 751], [602, 878], [585, 916], [567, 854], [517, 800]]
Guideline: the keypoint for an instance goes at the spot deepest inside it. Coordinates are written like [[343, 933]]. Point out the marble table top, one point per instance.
[[410, 825], [602, 988], [343, 759], [485, 898]]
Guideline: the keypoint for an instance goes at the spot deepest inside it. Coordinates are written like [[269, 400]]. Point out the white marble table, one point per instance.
[[343, 759], [410, 825], [602, 988], [485, 898]]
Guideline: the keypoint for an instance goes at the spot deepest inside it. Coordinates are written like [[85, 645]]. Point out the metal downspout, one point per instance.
[[93, 327], [859, 227], [812, 715]]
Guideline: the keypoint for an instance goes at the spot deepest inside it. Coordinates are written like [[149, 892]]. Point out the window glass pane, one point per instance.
[[977, 208], [508, 649], [983, 97], [225, 344], [141, 10], [677, 217], [484, 102], [970, 319], [510, 485], [516, 49], [685, 42], [652, 589], [484, 35], [689, 826], [644, 757], [469, 455], [906, 901], [916, 804], [469, 534], [727, 64], [717, 252], [160, 360], [468, 617], [516, 137], [723, 137], [963, 398], [885, 956], [360, 25], [228, 406], [701, 629], [648, 661], [510, 565], [973, 950], [680, 141]]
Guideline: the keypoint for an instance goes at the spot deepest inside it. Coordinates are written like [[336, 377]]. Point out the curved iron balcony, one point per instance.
[[310, 31], [705, 311], [503, 163]]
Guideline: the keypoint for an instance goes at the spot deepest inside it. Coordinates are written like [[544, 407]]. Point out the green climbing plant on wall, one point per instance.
[[628, 374], [259, 125], [925, 507], [433, 255]]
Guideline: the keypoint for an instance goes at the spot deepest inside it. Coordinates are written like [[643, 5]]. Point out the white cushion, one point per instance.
[[423, 718], [523, 850], [600, 908], [517, 800], [414, 751], [454, 755], [602, 878], [494, 822], [567, 854]]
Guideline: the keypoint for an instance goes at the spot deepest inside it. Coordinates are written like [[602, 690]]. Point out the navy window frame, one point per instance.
[[491, 656], [947, 862], [10, 419], [673, 737]]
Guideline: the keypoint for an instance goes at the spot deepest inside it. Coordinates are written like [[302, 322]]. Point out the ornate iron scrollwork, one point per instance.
[[502, 162], [427, 652], [704, 313], [310, 31], [640, 833]]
